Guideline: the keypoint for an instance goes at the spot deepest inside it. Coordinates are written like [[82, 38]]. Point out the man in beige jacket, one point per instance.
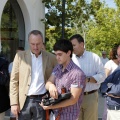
[[31, 69]]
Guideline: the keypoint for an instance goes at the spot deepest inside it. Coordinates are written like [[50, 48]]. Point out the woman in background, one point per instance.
[[112, 64]]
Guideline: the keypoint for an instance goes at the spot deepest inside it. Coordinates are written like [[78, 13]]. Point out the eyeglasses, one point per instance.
[[117, 56]]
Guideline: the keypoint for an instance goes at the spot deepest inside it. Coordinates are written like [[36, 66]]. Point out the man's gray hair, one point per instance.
[[35, 32]]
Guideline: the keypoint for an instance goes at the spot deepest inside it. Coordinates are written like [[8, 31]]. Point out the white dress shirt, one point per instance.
[[37, 85], [91, 65]]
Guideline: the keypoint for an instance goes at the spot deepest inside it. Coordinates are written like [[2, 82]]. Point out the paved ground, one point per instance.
[[7, 116], [100, 109]]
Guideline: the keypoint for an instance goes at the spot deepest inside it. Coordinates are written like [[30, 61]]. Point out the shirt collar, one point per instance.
[[33, 55], [68, 67], [84, 53]]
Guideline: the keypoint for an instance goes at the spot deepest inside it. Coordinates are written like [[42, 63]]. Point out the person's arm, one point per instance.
[[78, 83], [107, 72], [15, 109], [14, 87], [91, 79], [108, 83], [75, 94], [99, 77], [51, 87], [114, 85], [114, 89]]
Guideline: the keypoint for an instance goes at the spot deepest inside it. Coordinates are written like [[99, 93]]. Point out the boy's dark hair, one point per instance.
[[63, 45], [78, 37]]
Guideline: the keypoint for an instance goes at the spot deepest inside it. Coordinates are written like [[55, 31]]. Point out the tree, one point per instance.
[[95, 21], [76, 13], [103, 30]]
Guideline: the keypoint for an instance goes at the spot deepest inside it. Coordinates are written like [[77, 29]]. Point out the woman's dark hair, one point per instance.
[[113, 53], [63, 45]]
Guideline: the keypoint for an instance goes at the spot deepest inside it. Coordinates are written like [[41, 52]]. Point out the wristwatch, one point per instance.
[[88, 79]]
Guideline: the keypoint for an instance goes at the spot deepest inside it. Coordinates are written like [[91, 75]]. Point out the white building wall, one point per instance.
[[33, 11], [2, 4]]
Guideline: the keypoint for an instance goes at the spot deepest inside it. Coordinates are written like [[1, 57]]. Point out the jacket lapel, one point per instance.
[[28, 59], [44, 61]]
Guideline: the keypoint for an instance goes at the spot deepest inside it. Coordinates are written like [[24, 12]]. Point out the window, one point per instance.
[[12, 29]]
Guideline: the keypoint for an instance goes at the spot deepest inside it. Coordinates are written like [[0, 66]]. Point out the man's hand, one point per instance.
[[53, 91], [90, 79], [109, 85], [15, 109], [51, 87], [112, 95], [45, 107], [87, 79]]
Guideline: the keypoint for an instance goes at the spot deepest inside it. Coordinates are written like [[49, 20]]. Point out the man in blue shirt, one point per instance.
[[111, 88]]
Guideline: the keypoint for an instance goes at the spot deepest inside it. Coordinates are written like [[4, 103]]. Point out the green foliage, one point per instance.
[[103, 30], [95, 21], [52, 37], [76, 13]]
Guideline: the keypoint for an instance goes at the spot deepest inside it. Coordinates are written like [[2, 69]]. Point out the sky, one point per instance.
[[110, 3]]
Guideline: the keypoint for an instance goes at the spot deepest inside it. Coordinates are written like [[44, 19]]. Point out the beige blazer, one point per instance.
[[21, 75]]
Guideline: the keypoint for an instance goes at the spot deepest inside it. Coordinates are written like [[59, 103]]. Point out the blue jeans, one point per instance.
[[32, 110]]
